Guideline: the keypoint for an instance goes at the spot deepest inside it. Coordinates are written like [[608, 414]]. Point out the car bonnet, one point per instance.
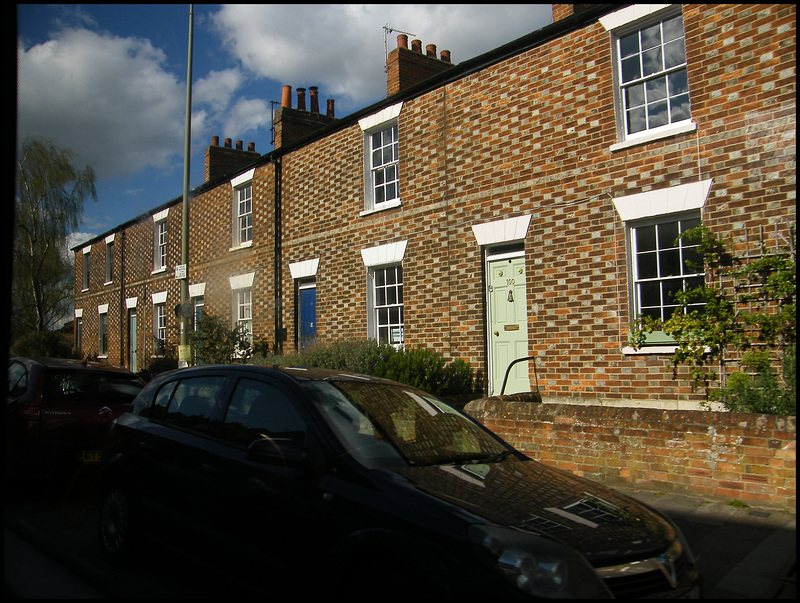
[[605, 526]]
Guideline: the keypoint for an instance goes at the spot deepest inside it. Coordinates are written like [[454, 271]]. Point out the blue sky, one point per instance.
[[109, 81]]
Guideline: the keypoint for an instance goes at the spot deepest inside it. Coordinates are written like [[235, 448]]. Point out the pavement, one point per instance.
[[742, 551]]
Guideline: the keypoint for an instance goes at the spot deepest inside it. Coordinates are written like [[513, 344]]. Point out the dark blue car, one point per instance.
[[356, 485]]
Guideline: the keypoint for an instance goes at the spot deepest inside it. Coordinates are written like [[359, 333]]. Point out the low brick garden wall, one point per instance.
[[750, 457]]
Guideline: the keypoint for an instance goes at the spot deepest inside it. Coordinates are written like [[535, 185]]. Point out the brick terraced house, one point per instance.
[[522, 203]]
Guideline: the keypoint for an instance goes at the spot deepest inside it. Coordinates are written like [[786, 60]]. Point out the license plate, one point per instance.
[[91, 456]]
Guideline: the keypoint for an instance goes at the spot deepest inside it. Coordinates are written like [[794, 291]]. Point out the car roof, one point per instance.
[[298, 374], [71, 364]]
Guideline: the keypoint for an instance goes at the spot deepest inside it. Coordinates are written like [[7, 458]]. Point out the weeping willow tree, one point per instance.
[[50, 193]]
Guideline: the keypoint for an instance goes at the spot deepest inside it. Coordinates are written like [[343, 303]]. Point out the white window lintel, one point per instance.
[[663, 201], [304, 269], [242, 281], [381, 117], [391, 253]]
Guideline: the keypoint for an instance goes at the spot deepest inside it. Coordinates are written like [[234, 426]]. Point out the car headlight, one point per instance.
[[538, 566]]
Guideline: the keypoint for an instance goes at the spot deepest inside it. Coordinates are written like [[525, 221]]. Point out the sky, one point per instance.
[[109, 81]]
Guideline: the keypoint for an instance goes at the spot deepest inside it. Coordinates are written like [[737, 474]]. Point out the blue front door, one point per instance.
[[308, 315]]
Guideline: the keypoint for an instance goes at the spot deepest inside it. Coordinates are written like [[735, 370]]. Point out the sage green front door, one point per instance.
[[508, 324], [132, 339]]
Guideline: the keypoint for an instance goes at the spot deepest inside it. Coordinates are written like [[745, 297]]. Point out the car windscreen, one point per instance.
[[90, 386], [386, 424]]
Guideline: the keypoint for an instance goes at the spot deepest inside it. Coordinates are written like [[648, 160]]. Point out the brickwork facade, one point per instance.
[[749, 457], [528, 138]]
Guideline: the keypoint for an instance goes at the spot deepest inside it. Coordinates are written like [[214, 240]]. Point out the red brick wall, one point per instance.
[[749, 457], [529, 136]]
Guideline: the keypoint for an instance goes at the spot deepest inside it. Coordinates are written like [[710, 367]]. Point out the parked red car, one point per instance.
[[58, 413]]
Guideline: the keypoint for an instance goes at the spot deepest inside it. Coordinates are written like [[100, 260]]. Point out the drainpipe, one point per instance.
[[280, 332], [123, 314]]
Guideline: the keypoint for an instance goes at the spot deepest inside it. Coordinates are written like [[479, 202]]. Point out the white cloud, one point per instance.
[[249, 115], [342, 48], [217, 88], [107, 98]]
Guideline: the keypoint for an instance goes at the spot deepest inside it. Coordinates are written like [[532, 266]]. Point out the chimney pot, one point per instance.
[[227, 143], [251, 146], [402, 41], [430, 50], [215, 141], [416, 46], [330, 107], [445, 56], [314, 91], [239, 146], [286, 97], [301, 99]]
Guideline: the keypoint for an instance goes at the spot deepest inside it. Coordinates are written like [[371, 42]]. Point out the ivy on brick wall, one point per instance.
[[747, 322]]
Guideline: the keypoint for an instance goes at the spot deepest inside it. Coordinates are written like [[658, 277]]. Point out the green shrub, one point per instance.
[[53, 344], [418, 367]]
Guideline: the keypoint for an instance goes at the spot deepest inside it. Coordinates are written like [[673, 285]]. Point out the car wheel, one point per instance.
[[118, 518]]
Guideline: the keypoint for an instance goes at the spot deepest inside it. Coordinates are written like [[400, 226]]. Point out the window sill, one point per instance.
[[649, 350], [381, 207], [247, 245], [108, 283], [159, 270], [657, 134], [85, 290]]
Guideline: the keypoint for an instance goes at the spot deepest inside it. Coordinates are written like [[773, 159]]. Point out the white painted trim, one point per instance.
[[391, 253], [160, 297], [102, 309], [502, 231], [130, 302], [78, 312], [242, 281], [380, 117], [629, 14], [655, 134], [197, 290], [663, 201], [304, 269], [110, 238], [86, 249], [243, 178], [161, 215]]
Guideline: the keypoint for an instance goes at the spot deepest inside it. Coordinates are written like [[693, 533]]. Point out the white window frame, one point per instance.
[[386, 304], [377, 123], [662, 247], [102, 331], [86, 267], [160, 241], [109, 259], [243, 311], [378, 260], [242, 235], [159, 322], [620, 24], [242, 302], [660, 205]]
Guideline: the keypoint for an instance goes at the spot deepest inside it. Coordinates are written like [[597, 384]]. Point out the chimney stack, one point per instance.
[[223, 161], [405, 68], [291, 125]]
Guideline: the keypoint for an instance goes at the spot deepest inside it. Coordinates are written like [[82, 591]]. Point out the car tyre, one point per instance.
[[118, 524]]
